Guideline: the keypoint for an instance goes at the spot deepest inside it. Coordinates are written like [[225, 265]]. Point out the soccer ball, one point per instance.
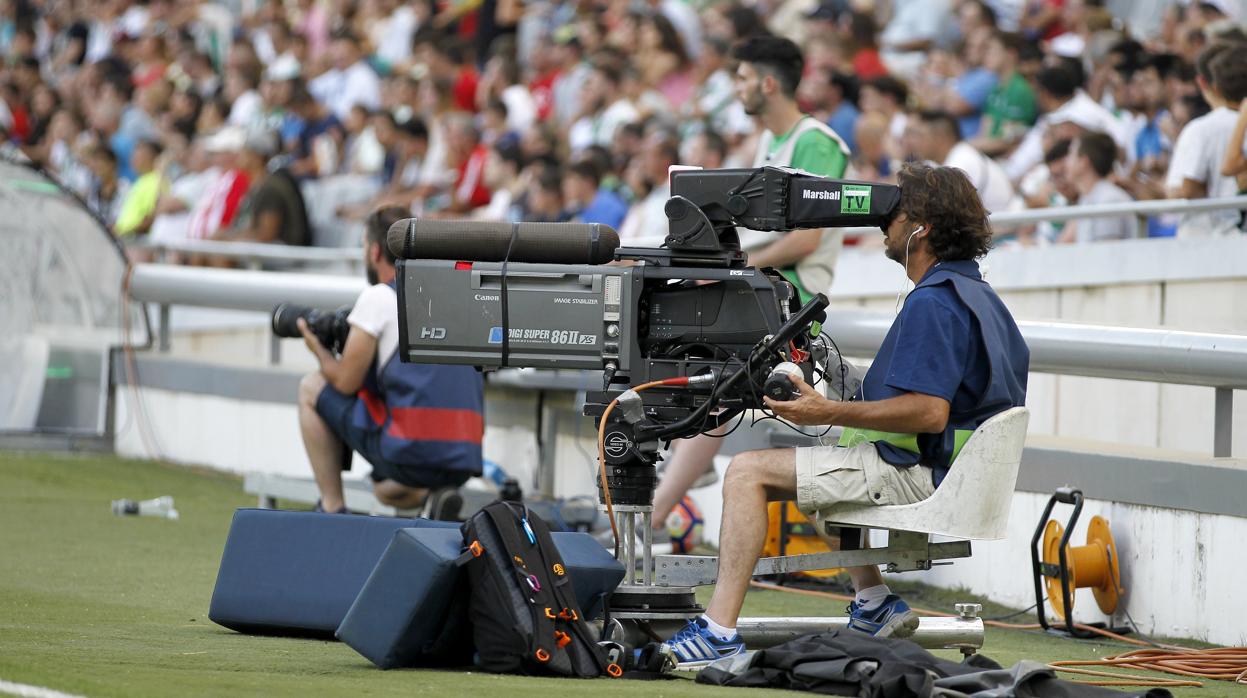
[[684, 526]]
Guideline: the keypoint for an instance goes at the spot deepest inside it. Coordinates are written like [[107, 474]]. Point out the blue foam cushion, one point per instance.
[[296, 573], [413, 609]]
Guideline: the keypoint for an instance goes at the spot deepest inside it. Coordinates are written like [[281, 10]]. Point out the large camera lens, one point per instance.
[[285, 317]]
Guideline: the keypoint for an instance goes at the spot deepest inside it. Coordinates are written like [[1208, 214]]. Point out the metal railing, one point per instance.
[[1218, 361], [255, 254]]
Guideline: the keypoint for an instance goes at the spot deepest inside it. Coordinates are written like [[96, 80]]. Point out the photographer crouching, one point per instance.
[[420, 426]]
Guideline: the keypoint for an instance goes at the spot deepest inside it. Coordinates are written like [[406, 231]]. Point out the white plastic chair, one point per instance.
[[972, 503]]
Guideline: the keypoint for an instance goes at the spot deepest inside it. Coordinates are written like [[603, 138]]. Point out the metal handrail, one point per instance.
[[263, 252], [259, 252], [1153, 355]]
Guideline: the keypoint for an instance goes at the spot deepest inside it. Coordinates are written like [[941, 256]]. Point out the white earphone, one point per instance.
[[897, 308]]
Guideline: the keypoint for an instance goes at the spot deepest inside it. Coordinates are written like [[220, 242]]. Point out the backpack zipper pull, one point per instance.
[[532, 539]]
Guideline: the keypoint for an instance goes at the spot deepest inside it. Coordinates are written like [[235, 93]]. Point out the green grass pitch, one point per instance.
[[100, 605]]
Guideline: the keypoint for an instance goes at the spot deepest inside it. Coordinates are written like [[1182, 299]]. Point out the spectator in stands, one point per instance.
[[586, 201], [603, 109], [503, 167], [1195, 166], [842, 105], [646, 218], [272, 210], [886, 96], [663, 61], [1010, 108], [916, 26], [545, 196], [940, 143], [467, 155], [107, 191], [706, 150], [573, 72], [1231, 71], [349, 82], [1088, 166], [1062, 101], [448, 61], [138, 211], [420, 426], [714, 99]]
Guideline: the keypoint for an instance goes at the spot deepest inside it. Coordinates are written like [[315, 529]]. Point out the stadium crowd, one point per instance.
[[291, 121]]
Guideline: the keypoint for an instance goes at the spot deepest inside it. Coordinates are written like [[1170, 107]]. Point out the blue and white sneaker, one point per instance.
[[892, 618], [696, 646]]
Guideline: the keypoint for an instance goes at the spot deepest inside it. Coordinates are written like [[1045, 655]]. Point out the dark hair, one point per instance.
[[943, 121], [550, 180], [1195, 105], [775, 55], [497, 106], [609, 70], [864, 30], [715, 143], [1099, 149], [1058, 150], [584, 169], [669, 39], [1058, 81], [890, 86], [377, 227], [1229, 74], [745, 21], [151, 146], [510, 151], [944, 198], [1165, 64], [989, 15], [1203, 63], [1011, 41], [414, 127], [847, 84]]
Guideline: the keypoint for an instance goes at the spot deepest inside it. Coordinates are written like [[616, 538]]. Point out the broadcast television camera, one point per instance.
[[686, 335]]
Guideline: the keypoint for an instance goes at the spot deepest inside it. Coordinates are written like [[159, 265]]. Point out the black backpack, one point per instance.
[[525, 619]]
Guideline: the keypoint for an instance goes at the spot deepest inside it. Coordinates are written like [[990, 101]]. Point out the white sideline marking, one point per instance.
[[25, 691]]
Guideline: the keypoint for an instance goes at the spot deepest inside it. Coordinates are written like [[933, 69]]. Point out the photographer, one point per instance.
[[952, 359], [420, 426]]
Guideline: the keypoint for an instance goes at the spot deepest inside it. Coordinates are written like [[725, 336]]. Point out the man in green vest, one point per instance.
[[952, 359], [768, 72]]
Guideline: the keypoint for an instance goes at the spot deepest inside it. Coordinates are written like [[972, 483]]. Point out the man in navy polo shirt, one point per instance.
[[952, 359]]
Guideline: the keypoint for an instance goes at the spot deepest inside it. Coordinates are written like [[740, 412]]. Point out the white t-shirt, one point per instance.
[[1097, 229], [342, 89], [987, 176], [376, 312], [1197, 156], [1081, 110]]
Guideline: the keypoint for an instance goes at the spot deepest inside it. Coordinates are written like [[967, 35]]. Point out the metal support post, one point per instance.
[[165, 342], [1223, 423], [274, 349]]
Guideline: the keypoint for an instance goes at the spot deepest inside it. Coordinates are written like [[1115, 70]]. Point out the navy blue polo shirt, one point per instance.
[[937, 347]]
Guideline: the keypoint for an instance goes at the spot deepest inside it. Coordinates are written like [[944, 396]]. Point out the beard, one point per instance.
[[754, 104], [371, 272]]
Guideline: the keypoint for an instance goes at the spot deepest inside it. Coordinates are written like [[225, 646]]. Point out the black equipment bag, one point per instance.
[[525, 619]]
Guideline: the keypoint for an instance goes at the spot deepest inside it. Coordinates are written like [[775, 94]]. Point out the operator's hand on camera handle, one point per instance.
[[310, 339], [806, 409]]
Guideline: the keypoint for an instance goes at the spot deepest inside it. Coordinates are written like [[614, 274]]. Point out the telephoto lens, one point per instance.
[[330, 327]]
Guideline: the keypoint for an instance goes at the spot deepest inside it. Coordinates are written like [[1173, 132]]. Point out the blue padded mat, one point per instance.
[[296, 572]]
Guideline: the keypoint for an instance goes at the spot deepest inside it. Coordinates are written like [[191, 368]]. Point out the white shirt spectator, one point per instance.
[[1097, 229], [1081, 110], [912, 20], [600, 129], [521, 109], [248, 109], [342, 89], [647, 218], [394, 45], [987, 176], [1197, 156]]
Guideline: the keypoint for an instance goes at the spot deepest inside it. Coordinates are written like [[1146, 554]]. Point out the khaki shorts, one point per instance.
[[830, 475]]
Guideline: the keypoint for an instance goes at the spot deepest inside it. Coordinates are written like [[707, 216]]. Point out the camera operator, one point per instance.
[[420, 426], [766, 82], [952, 359]]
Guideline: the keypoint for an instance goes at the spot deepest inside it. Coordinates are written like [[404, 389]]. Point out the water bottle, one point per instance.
[[160, 506]]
